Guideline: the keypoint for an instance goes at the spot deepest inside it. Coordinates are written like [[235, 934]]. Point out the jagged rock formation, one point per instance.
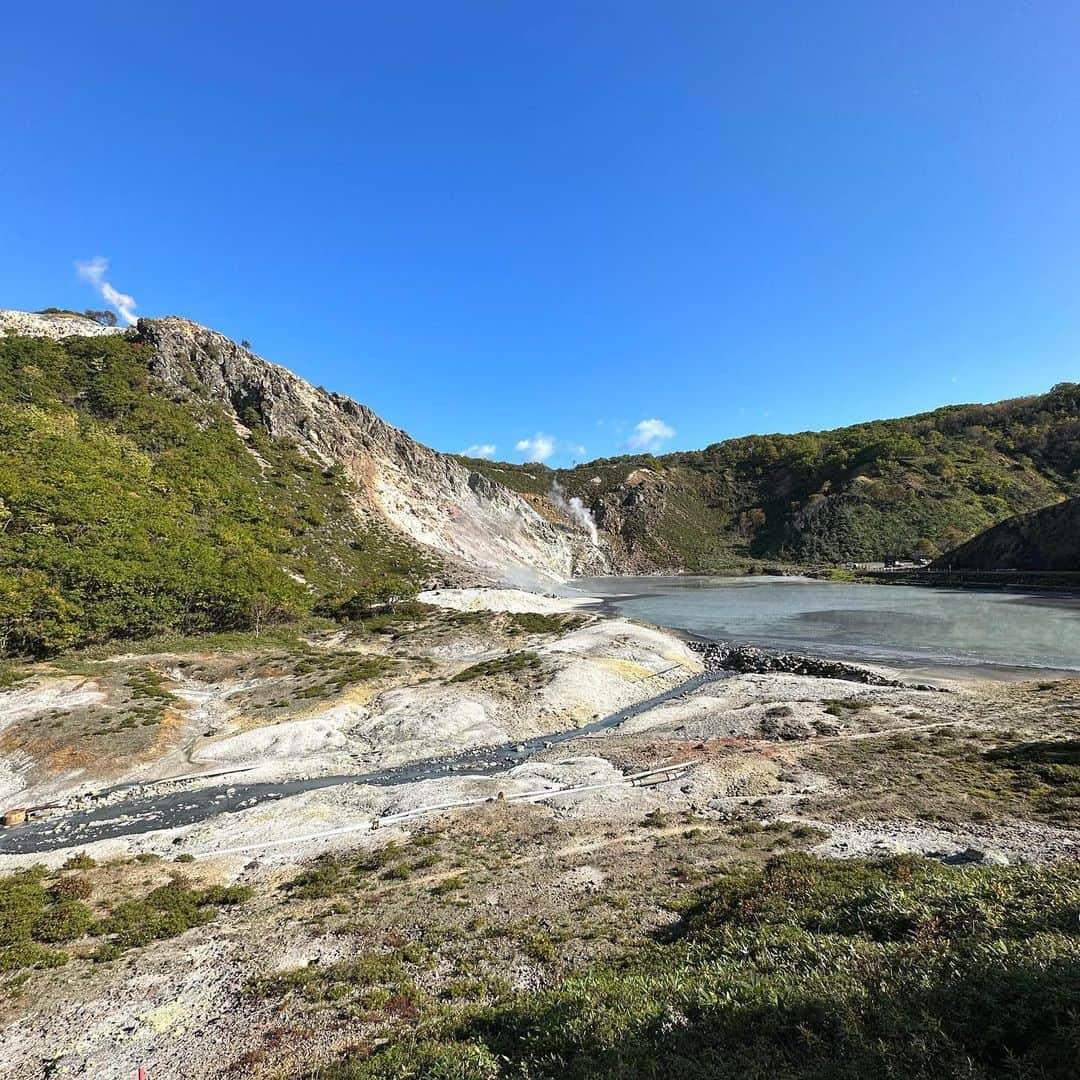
[[475, 523], [1046, 540]]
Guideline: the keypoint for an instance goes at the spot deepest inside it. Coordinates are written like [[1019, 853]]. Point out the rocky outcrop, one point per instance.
[[56, 326], [746, 659], [470, 520]]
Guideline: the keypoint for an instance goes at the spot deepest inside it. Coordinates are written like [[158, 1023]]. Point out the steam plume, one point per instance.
[[94, 270], [574, 509]]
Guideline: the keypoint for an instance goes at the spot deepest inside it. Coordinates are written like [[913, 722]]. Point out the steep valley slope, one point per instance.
[[915, 485], [1045, 540], [164, 478], [167, 479]]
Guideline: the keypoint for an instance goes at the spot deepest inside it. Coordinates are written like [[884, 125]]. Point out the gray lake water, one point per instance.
[[890, 624]]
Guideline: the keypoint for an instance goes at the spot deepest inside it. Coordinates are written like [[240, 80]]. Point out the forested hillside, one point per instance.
[[1047, 539], [127, 511], [132, 504], [919, 485]]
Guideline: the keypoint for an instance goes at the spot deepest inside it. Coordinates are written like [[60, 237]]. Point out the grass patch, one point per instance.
[[534, 622], [1047, 772], [943, 776], [11, 674], [38, 913], [846, 706], [502, 665], [333, 875], [807, 970], [334, 672]]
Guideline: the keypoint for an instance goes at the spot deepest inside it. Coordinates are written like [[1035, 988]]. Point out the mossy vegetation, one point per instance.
[[39, 911], [805, 969], [951, 774], [512, 664], [126, 512], [534, 622]]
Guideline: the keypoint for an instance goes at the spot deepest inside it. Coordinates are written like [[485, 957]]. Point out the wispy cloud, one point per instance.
[[649, 435], [94, 271], [539, 448], [484, 449]]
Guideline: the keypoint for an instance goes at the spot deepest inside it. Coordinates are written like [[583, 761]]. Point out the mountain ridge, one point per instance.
[[165, 479], [910, 485], [493, 530], [267, 497]]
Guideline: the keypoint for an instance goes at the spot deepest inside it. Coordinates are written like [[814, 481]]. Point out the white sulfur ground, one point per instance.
[[512, 600], [590, 672], [302, 826]]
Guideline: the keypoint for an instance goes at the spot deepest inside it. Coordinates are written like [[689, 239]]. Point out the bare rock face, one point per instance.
[[31, 324], [429, 496]]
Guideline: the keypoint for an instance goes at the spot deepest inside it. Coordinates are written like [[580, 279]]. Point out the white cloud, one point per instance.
[[649, 434], [484, 449], [94, 271], [539, 448]]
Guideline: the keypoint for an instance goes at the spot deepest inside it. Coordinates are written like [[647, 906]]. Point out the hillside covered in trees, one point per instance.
[[128, 511], [920, 485], [132, 504], [1047, 539]]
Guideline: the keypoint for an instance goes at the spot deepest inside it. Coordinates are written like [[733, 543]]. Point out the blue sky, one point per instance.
[[541, 225]]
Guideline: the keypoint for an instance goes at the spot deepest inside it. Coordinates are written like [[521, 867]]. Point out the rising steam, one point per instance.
[[574, 509], [94, 270]]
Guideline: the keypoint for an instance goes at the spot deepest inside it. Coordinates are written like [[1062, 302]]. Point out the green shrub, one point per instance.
[[424, 1061], [71, 887], [501, 665], [28, 954], [166, 912], [806, 970], [533, 622], [64, 920], [33, 916], [129, 513]]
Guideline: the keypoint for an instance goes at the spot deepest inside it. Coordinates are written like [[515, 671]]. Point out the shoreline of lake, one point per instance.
[[937, 633]]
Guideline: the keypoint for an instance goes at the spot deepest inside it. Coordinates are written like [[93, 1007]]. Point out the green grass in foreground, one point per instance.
[[812, 969], [39, 911]]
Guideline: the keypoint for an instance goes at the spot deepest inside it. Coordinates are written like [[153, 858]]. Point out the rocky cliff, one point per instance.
[[476, 525], [52, 324]]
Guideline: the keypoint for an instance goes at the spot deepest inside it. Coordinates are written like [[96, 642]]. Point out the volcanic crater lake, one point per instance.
[[897, 625]]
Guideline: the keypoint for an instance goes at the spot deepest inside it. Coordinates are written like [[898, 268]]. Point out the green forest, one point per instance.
[[128, 513], [919, 485]]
